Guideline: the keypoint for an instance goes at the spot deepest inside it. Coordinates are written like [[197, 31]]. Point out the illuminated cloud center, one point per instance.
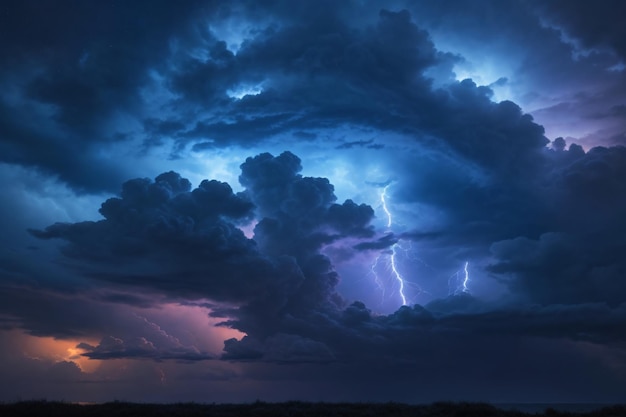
[[242, 91]]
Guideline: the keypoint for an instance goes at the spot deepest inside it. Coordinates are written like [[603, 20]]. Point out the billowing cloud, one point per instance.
[[158, 226], [162, 229], [164, 237]]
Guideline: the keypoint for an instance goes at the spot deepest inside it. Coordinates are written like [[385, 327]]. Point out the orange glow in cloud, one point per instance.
[[188, 325], [53, 350]]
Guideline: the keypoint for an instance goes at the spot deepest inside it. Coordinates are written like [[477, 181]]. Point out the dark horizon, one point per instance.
[[403, 201], [304, 409]]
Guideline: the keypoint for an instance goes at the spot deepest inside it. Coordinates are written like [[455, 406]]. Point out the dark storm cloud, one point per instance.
[[280, 348], [123, 298], [324, 73], [547, 221], [579, 256], [604, 29], [139, 347], [298, 216], [568, 68], [359, 143], [184, 243], [356, 335], [555, 233], [312, 74], [479, 205], [597, 323], [64, 316], [597, 37], [158, 226], [164, 237], [380, 243], [305, 205], [74, 67], [29, 144], [319, 72], [566, 239]]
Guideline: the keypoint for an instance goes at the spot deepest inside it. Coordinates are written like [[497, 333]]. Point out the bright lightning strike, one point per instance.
[[465, 289], [397, 274], [392, 258], [458, 281], [377, 280], [383, 200]]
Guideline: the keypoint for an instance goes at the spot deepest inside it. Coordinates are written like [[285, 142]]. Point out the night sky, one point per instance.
[[313, 200]]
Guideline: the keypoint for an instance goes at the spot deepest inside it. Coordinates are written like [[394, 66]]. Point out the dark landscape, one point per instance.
[[289, 409]]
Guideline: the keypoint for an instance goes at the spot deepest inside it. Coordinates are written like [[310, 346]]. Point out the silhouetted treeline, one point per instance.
[[287, 409]]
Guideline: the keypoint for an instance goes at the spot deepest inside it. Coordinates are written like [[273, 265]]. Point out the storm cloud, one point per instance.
[[327, 200]]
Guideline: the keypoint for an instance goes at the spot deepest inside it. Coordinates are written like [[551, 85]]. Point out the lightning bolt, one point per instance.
[[394, 249], [465, 289], [455, 284], [396, 273], [377, 280], [383, 200]]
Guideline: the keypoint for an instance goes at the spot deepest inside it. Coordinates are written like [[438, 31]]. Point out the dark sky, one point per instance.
[[313, 200]]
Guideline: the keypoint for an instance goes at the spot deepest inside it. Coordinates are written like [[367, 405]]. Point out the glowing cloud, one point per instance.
[[243, 91]]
